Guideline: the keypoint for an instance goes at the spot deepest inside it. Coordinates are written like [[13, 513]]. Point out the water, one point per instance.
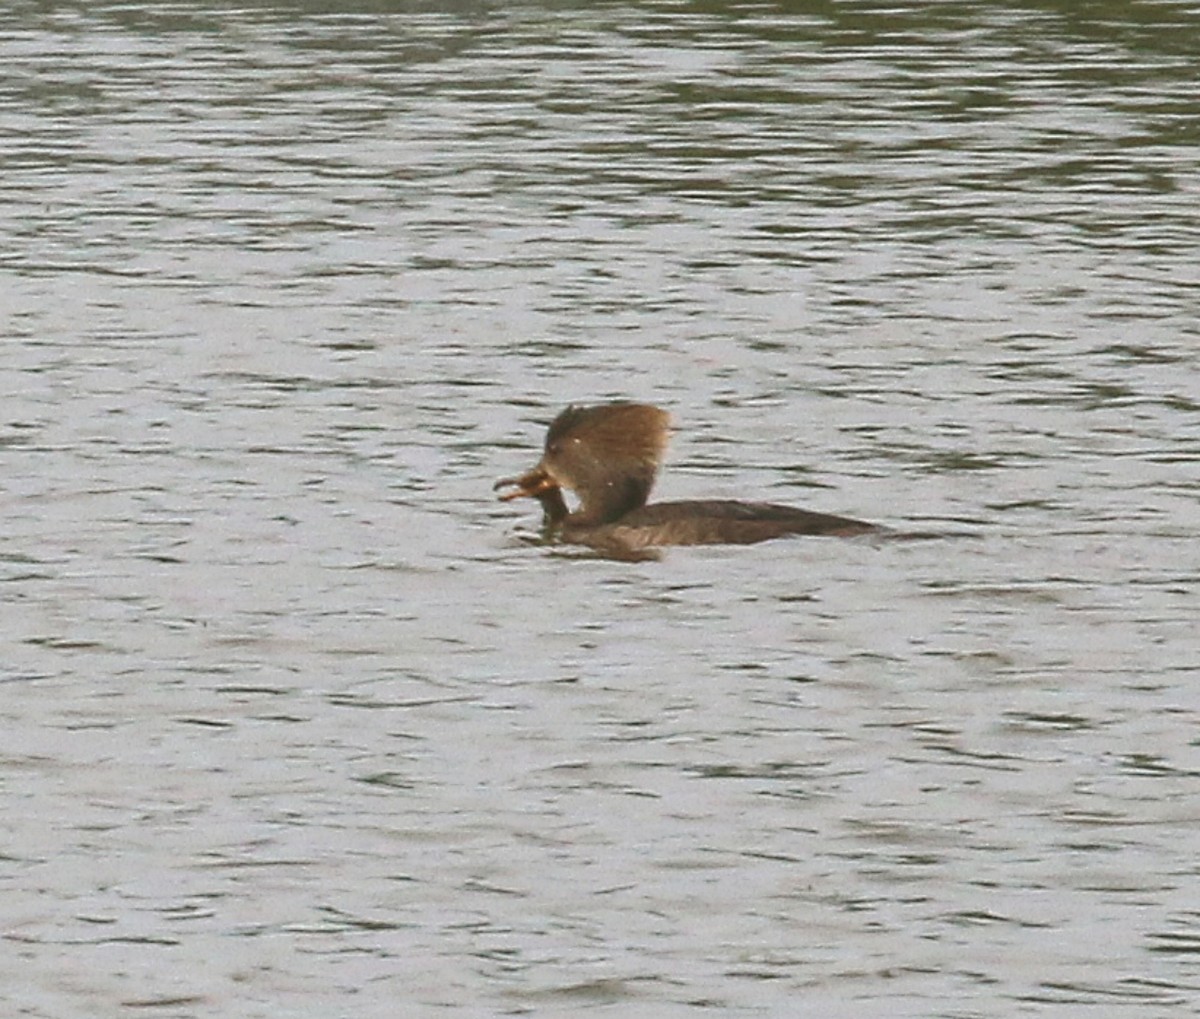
[[295, 722]]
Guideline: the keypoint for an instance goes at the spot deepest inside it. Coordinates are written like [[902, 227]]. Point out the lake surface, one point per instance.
[[297, 722]]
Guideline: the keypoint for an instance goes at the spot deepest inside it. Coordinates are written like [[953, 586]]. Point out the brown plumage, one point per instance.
[[609, 456]]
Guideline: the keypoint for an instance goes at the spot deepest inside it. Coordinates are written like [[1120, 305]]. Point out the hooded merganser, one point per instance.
[[609, 455]]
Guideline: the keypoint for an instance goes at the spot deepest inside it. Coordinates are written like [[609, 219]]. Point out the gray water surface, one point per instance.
[[297, 723]]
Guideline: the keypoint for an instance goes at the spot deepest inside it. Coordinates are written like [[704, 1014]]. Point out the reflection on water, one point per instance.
[[297, 721]]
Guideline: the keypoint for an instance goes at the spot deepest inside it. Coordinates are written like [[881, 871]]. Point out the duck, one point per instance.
[[609, 455]]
